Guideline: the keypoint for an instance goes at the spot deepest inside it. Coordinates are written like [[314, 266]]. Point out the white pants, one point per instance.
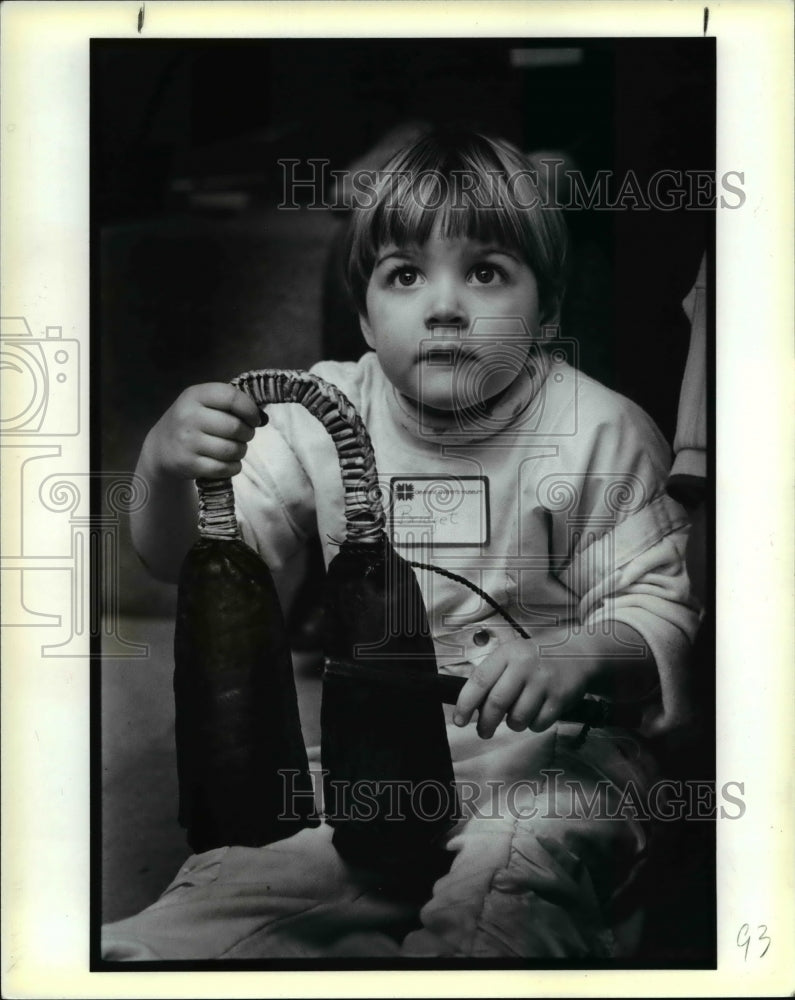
[[543, 867]]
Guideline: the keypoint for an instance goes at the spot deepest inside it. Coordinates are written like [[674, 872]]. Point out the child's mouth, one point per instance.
[[446, 355], [446, 348]]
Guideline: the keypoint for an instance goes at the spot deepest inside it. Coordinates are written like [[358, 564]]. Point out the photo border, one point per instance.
[[45, 257]]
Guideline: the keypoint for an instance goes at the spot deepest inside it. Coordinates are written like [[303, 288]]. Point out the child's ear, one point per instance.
[[367, 332]]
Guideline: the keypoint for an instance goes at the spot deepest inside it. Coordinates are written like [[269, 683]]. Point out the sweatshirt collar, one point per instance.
[[478, 424]]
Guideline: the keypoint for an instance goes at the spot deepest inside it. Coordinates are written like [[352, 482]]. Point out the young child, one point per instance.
[[503, 463]]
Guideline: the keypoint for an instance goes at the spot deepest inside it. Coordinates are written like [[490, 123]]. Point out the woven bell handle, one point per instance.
[[364, 511]]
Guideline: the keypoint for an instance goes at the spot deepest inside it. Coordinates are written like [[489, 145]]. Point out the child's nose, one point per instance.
[[445, 305]]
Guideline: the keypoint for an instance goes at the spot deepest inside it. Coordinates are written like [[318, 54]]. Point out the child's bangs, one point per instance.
[[451, 207]]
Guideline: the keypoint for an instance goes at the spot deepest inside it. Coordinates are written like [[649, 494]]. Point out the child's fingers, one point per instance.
[[548, 714], [219, 424], [211, 468], [220, 449], [501, 699], [224, 396], [525, 708], [477, 687]]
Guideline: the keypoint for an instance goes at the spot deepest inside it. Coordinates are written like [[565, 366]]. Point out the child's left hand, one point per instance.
[[517, 682]]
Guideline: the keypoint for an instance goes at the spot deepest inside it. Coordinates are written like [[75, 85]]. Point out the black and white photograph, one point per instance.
[[499, 252], [397, 548]]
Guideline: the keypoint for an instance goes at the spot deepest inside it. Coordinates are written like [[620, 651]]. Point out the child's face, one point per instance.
[[438, 315]]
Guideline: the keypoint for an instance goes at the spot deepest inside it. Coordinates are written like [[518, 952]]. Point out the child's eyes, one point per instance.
[[403, 276], [407, 275], [487, 274]]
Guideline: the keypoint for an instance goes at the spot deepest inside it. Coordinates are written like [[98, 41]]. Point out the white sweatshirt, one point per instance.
[[554, 504]]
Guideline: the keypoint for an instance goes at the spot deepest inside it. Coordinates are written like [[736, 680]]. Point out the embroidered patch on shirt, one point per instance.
[[439, 510]]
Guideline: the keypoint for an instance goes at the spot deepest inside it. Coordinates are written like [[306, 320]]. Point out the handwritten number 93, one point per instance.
[[744, 939]]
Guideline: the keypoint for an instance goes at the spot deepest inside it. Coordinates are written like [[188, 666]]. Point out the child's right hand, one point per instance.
[[204, 434]]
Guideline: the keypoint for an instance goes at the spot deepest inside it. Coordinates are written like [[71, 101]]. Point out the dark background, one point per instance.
[[190, 287], [197, 276], [189, 291]]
